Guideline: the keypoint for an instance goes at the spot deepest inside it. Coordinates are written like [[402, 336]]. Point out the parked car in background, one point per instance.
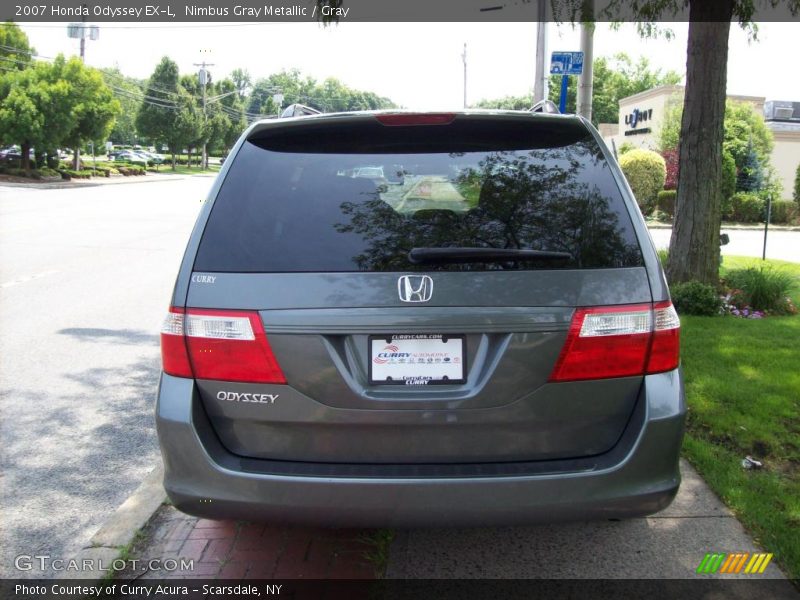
[[487, 338]]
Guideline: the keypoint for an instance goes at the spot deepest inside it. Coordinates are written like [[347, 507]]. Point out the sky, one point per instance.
[[418, 65]]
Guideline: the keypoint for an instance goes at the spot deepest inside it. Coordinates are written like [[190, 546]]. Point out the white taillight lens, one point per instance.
[[621, 323], [666, 318], [173, 324], [219, 328]]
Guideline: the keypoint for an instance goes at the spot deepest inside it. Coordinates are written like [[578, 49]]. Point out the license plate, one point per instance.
[[417, 359]]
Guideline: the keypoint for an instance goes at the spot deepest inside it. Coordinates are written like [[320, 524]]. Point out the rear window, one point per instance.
[[343, 197]]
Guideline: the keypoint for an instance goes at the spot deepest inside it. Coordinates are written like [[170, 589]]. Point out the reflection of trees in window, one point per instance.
[[548, 199]]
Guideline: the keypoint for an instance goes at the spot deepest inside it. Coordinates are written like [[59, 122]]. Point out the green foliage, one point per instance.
[[646, 172], [783, 212], [744, 131], [156, 118], [745, 208], [764, 288], [625, 147], [36, 107], [797, 185], [128, 92], [329, 96], [613, 78], [751, 173], [695, 298], [663, 257], [92, 105], [728, 175], [665, 202], [15, 49]]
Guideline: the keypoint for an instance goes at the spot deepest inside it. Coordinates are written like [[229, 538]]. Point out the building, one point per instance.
[[641, 116]]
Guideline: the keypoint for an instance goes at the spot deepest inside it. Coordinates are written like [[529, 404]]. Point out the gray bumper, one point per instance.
[[639, 476]]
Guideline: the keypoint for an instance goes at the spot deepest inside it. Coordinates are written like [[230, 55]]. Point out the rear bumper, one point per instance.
[[639, 476]]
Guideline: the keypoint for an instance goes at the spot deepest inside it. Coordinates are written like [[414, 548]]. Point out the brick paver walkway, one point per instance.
[[238, 550]]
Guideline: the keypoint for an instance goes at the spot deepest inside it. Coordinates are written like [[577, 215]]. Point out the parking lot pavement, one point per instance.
[[235, 550], [668, 545]]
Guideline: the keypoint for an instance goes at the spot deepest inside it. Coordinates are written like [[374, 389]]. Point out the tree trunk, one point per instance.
[[694, 245], [25, 161], [76, 160]]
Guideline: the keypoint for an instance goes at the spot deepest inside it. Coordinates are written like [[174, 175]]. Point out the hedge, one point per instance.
[[646, 173], [666, 202], [783, 212], [746, 208]]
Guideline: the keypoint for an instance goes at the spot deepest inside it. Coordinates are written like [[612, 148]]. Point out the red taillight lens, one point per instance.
[[174, 357], [417, 119], [619, 341], [666, 348], [227, 346]]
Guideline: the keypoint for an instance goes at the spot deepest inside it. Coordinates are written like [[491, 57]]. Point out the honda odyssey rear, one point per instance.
[[412, 319]]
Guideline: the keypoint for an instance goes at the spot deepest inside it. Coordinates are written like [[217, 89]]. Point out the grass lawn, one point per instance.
[[743, 391]]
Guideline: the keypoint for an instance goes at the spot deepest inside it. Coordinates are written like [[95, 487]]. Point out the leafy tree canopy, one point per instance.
[[15, 49], [614, 78]]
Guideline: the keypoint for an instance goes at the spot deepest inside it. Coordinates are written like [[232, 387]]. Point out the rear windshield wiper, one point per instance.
[[466, 255]]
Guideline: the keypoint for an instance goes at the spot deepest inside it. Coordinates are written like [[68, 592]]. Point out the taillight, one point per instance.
[[416, 119], [225, 345], [619, 341], [174, 357]]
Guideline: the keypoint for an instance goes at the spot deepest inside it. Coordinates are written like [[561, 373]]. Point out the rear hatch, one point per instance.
[[416, 279]]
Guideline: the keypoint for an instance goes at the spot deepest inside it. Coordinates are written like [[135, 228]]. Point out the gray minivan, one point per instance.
[[392, 318]]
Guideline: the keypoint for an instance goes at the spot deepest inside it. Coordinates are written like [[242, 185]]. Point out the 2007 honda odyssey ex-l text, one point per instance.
[[421, 318]]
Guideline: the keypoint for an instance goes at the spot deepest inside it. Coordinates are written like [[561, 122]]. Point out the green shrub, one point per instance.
[[764, 288], [728, 183], [625, 147], [783, 212], [695, 298], [663, 256], [665, 201], [71, 174], [797, 185], [646, 173], [746, 208]]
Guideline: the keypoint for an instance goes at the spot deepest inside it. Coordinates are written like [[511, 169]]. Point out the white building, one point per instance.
[[641, 116]]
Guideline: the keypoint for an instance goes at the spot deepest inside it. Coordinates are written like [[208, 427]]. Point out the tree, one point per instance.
[[158, 112], [694, 244], [188, 127], [35, 109], [15, 49], [242, 82], [92, 104], [613, 78], [751, 174], [128, 92]]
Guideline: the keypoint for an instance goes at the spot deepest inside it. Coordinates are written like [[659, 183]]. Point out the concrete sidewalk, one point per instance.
[[668, 545]]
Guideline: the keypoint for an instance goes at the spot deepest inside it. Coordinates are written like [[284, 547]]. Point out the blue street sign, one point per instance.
[[566, 63]]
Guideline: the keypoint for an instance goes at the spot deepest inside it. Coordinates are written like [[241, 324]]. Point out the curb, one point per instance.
[[120, 528]]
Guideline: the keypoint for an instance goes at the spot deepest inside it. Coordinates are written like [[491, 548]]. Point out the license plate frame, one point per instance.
[[422, 348]]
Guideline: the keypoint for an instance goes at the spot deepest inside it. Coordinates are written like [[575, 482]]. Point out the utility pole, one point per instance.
[[464, 58], [585, 80], [81, 31], [540, 82], [203, 77]]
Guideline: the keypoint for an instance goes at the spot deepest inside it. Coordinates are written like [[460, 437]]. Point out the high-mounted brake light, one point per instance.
[[416, 119], [218, 344], [619, 341]]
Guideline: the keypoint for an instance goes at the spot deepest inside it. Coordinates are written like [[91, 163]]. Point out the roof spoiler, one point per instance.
[[299, 110], [545, 106]]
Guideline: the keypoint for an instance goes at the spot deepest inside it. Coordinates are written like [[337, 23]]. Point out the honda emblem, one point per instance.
[[415, 288]]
